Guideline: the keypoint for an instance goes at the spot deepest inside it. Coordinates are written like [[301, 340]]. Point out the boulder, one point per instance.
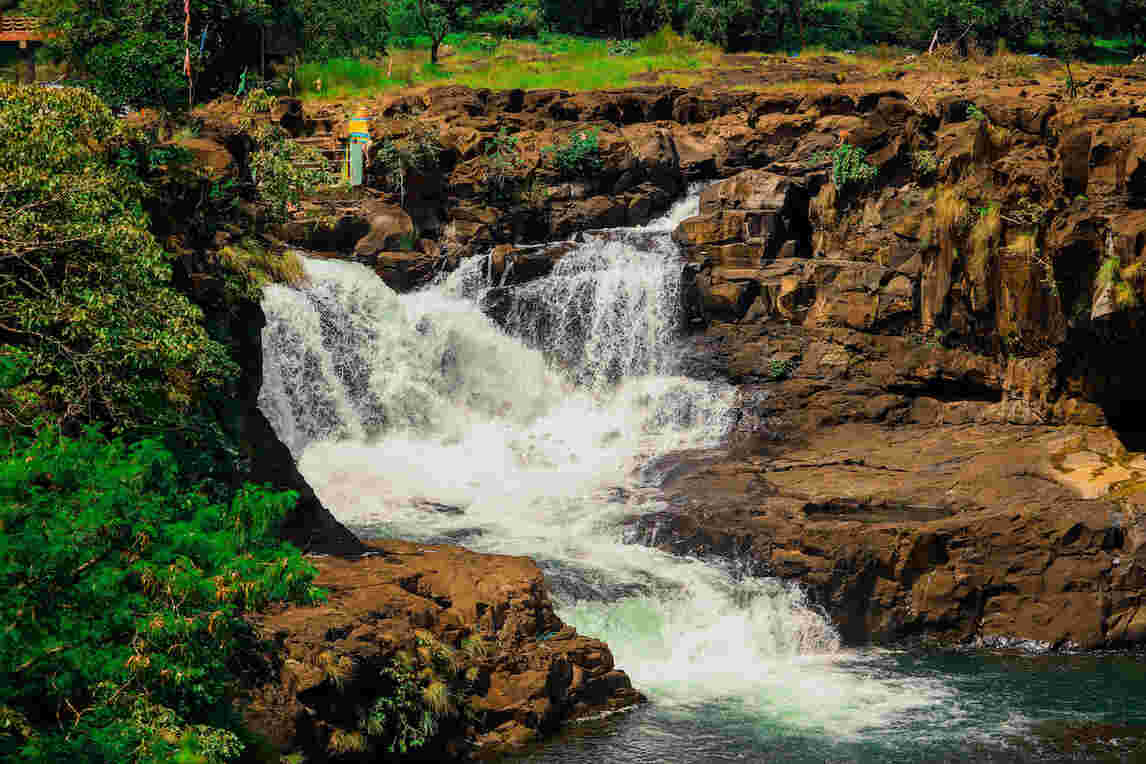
[[519, 671], [391, 228]]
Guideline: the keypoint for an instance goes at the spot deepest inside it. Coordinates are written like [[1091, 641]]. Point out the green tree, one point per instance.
[[87, 294], [134, 49], [337, 28], [435, 20], [1066, 24]]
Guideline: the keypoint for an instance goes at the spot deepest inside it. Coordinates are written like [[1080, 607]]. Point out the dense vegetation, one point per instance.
[[130, 546], [134, 52], [123, 640]]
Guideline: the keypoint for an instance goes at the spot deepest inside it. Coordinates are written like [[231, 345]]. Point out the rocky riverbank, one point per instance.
[[483, 626]]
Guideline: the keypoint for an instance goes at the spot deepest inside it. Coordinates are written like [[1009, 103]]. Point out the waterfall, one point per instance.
[[400, 407]]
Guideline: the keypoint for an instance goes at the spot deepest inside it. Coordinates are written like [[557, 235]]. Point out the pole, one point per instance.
[[28, 52]]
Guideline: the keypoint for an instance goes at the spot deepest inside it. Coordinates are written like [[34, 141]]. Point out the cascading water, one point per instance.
[[415, 416]]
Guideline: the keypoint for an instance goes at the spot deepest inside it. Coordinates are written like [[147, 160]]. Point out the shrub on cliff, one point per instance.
[[284, 170], [850, 168], [88, 302], [122, 604], [578, 157]]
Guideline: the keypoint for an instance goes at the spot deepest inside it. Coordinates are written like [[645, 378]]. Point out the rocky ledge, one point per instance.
[[966, 533], [475, 634]]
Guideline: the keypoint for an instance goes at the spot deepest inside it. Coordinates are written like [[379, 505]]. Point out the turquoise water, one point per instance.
[[995, 708]]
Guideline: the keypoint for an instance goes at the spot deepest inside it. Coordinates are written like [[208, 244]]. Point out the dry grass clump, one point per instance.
[[345, 741], [1024, 245], [984, 238], [1135, 274], [951, 211], [334, 668], [1001, 138], [1111, 275], [476, 647], [823, 206], [437, 698], [259, 266]]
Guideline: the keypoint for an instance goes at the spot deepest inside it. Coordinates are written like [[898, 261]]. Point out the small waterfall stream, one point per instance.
[[415, 416]]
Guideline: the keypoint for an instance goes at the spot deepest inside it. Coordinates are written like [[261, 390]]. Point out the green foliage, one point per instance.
[[417, 150], [134, 49], [502, 161], [975, 113], [924, 163], [284, 170], [850, 167], [399, 716], [1108, 271], [342, 75], [259, 101], [146, 159], [519, 18], [87, 289], [343, 28], [123, 599], [622, 47], [140, 70], [433, 18], [1111, 275], [781, 369], [746, 24], [579, 157], [248, 266]]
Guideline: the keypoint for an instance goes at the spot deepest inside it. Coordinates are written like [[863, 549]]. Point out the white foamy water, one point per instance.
[[415, 416]]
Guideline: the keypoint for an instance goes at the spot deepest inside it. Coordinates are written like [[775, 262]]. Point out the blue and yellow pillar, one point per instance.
[[357, 139]]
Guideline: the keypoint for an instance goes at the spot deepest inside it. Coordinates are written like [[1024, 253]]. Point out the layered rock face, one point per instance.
[[945, 357], [482, 625]]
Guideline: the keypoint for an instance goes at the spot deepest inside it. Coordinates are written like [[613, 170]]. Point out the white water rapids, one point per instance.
[[416, 417]]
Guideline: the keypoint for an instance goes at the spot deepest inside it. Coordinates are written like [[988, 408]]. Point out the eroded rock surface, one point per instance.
[[963, 533], [515, 670]]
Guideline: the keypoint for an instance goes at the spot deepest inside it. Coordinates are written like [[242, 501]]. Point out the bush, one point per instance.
[[850, 167], [139, 71], [343, 28], [622, 47], [520, 18], [579, 157], [924, 163], [123, 599], [502, 159], [285, 170], [418, 150]]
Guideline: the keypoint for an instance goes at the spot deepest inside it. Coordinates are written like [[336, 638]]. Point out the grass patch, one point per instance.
[[560, 62]]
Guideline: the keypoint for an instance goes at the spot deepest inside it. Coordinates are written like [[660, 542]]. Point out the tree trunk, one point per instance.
[[434, 50], [798, 10], [29, 54]]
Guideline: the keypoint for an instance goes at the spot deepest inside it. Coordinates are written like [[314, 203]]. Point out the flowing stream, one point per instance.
[[416, 417]]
